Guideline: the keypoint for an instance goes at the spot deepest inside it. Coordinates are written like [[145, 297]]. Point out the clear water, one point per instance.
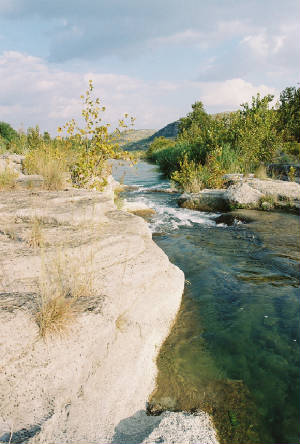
[[234, 350]]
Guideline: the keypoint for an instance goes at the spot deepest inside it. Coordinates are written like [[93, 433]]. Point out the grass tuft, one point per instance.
[[63, 286]]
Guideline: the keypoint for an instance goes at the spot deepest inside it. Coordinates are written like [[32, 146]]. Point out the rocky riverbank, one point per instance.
[[89, 381], [246, 193]]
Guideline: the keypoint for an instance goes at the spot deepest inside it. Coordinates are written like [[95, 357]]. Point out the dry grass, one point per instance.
[[121, 322], [53, 169], [63, 283], [118, 200], [261, 172], [8, 179], [36, 237]]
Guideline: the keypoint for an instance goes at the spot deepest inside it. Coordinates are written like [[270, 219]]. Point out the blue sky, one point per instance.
[[151, 59]]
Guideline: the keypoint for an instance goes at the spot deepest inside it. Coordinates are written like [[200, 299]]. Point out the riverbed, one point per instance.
[[234, 348]]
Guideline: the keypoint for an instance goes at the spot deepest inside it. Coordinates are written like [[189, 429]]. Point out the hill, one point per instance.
[[169, 131], [132, 136]]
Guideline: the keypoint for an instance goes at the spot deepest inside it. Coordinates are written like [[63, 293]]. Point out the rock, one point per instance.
[[78, 386], [206, 200], [249, 193], [242, 194], [276, 188], [30, 181], [168, 428], [11, 161], [137, 208]]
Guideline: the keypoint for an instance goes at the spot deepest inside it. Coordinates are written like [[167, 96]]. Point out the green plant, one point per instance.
[[7, 132], [267, 202], [159, 143], [189, 176], [292, 174]]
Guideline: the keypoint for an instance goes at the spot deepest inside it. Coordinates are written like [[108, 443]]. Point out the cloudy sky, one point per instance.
[[150, 58]]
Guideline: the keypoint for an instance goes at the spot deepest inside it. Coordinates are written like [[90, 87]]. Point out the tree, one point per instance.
[[7, 132], [289, 113], [258, 138]]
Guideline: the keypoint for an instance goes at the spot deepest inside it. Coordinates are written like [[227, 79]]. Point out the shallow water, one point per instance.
[[234, 350]]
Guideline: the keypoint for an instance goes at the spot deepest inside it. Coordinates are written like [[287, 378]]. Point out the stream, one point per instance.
[[234, 348]]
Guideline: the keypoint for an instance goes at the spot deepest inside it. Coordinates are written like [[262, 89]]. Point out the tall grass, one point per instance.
[[49, 163], [8, 179]]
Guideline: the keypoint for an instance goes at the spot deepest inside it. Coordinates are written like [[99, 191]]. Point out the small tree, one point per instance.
[[258, 138], [94, 143]]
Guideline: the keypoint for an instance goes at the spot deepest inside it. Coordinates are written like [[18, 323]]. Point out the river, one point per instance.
[[234, 348]]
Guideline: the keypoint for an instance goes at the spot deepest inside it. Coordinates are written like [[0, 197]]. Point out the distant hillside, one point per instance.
[[169, 131], [132, 136]]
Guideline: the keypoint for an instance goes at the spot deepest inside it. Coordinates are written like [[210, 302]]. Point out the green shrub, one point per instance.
[[7, 132], [159, 143]]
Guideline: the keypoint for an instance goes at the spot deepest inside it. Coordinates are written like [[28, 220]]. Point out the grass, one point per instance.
[[8, 179], [53, 169], [118, 200], [63, 285], [261, 172], [36, 238]]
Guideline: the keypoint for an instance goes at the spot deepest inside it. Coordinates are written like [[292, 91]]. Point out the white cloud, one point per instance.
[[231, 93], [35, 92]]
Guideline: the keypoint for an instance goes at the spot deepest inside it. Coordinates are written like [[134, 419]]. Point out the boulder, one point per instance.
[[277, 188], [242, 194], [206, 200], [138, 208], [30, 181]]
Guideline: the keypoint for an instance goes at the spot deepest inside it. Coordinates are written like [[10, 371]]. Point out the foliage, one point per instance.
[[208, 146], [7, 132], [159, 143], [289, 113], [189, 176], [292, 174], [94, 143], [258, 138], [192, 177]]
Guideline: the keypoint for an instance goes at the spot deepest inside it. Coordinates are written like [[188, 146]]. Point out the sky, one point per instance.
[[151, 59]]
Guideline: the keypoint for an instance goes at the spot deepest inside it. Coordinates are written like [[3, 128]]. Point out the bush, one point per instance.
[[159, 143]]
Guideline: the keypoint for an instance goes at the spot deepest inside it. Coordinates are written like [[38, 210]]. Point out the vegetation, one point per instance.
[[64, 283], [80, 150], [207, 146], [8, 179]]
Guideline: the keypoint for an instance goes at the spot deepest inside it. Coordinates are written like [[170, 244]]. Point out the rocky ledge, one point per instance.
[[250, 193], [89, 381]]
